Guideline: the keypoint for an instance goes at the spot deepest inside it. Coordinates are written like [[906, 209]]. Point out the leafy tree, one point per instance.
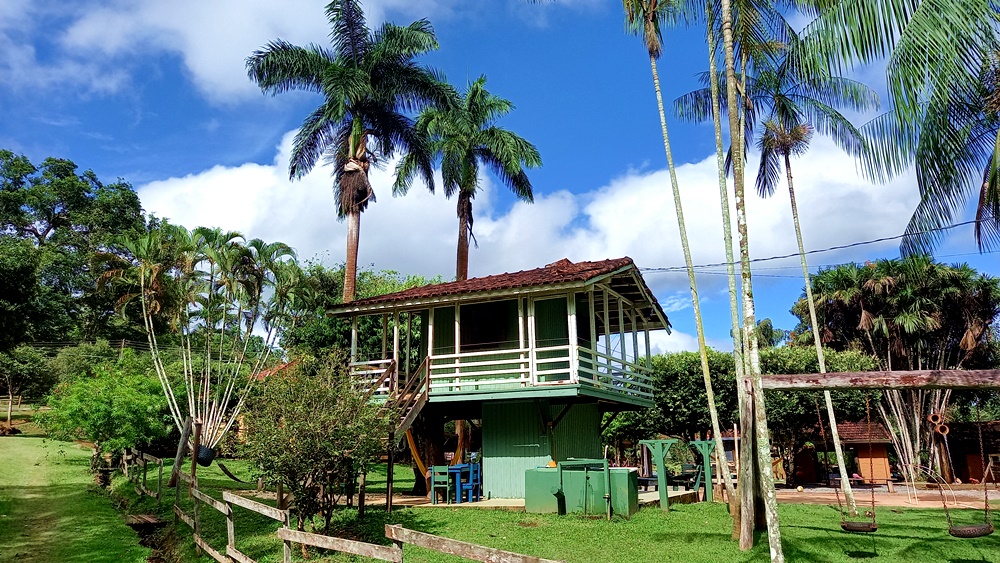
[[464, 137], [18, 286], [22, 372], [120, 406], [68, 217], [326, 433], [369, 80], [314, 333], [82, 360], [912, 313]]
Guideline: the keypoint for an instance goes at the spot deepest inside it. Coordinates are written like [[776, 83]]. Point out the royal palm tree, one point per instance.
[[643, 18], [942, 117], [368, 80], [755, 401], [465, 137]]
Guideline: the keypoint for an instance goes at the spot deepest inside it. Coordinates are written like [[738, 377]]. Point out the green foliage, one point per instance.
[[120, 406], [18, 285], [23, 372], [68, 218], [310, 428], [315, 333], [913, 313], [681, 403], [81, 360]]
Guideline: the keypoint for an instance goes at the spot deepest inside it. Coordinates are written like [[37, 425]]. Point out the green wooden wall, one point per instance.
[[514, 440]]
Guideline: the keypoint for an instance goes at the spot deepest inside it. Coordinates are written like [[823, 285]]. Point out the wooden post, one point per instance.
[[385, 330], [194, 457], [409, 329], [230, 527], [361, 494], [394, 382], [532, 343], [181, 448], [574, 356], [520, 336], [287, 545], [354, 338], [389, 472]]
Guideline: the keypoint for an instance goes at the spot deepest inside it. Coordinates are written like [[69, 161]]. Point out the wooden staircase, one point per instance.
[[407, 400]]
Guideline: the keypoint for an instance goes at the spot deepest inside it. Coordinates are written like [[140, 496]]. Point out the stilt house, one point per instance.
[[537, 357]]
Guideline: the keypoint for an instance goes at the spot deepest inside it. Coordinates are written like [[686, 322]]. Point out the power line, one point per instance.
[[816, 251]]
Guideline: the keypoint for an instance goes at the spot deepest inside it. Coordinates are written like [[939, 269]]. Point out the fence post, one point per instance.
[[287, 556], [159, 483], [230, 528], [197, 514]]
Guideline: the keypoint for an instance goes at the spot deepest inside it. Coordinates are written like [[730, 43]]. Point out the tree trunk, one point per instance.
[[10, 408], [845, 483], [361, 494], [351, 264], [749, 334], [727, 236], [464, 212], [689, 264]]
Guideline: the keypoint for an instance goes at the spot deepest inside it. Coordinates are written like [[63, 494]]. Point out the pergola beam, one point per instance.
[[922, 379]]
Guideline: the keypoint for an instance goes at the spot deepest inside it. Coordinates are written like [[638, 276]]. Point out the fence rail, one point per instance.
[[140, 461], [392, 553]]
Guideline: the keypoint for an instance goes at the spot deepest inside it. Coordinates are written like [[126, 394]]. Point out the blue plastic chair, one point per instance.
[[472, 489]]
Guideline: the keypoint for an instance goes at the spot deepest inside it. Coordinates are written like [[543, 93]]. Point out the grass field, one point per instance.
[[50, 510], [689, 533]]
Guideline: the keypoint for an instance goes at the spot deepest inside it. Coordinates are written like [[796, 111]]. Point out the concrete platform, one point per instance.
[[646, 498], [650, 498]]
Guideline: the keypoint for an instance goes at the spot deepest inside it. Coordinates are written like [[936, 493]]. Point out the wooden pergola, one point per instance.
[[917, 379]]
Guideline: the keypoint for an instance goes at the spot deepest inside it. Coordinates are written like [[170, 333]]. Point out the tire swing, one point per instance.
[[859, 526], [970, 531]]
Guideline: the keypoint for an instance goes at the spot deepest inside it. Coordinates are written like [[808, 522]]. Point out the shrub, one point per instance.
[[117, 407]]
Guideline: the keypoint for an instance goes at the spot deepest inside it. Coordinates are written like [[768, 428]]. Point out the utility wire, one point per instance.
[[816, 251]]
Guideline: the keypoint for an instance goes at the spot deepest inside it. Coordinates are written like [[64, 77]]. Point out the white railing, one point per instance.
[[515, 368], [612, 373], [367, 374]]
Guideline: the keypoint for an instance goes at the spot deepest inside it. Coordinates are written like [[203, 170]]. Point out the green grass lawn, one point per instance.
[[50, 510], [689, 533]]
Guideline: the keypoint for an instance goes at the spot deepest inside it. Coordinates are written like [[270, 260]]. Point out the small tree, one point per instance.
[[118, 407], [312, 430], [22, 371]]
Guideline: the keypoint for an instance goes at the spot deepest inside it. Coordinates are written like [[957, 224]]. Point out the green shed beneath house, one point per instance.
[[537, 357]]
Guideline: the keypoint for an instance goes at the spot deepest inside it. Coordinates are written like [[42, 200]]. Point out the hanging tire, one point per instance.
[[205, 456], [973, 531]]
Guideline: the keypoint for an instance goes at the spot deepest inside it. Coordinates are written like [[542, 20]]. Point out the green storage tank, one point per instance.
[[582, 489]]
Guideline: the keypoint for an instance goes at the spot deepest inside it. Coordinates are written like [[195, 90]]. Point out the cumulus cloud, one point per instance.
[[97, 45], [632, 215]]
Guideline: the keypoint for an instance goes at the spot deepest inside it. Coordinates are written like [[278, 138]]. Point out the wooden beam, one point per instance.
[[923, 379], [459, 548]]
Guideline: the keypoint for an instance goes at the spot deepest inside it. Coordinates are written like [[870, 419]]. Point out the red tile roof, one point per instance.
[[857, 432], [557, 272]]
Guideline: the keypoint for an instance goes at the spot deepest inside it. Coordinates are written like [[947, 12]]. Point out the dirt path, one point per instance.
[[50, 511]]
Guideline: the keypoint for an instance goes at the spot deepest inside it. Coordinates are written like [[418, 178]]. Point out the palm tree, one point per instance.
[[465, 137], [755, 401], [941, 80], [368, 80], [643, 18]]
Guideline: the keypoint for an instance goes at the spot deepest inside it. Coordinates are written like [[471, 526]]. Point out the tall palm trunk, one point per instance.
[[464, 218], [749, 335], [351, 265], [727, 235], [834, 433], [702, 347]]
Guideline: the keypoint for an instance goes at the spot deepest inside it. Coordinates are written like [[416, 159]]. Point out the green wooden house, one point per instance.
[[537, 356]]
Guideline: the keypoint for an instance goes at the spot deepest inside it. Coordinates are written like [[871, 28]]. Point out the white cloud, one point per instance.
[[98, 45], [630, 215]]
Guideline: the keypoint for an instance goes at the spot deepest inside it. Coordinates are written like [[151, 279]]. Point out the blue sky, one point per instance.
[[156, 93]]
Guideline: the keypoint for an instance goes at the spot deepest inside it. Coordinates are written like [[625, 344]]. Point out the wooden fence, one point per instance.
[[393, 553], [133, 462]]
